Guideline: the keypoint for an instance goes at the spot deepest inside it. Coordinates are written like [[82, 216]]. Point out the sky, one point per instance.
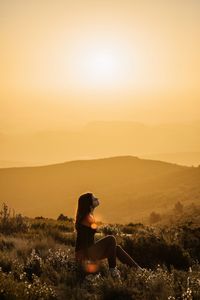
[[66, 63]]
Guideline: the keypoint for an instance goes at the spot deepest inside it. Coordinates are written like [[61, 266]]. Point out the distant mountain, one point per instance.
[[103, 139], [10, 164], [129, 188], [181, 158]]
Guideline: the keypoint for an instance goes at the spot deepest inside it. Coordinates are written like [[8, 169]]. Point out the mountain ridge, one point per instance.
[[129, 187], [103, 139], [99, 160]]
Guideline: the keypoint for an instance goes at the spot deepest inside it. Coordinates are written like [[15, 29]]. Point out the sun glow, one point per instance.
[[103, 65], [97, 68]]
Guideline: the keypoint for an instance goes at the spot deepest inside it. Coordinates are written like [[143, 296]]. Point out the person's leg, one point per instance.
[[124, 257], [104, 248]]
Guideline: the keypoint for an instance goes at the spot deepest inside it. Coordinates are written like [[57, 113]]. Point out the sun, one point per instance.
[[101, 65], [97, 65]]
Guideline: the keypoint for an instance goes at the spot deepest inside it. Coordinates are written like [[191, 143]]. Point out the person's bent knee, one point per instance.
[[118, 247], [112, 239]]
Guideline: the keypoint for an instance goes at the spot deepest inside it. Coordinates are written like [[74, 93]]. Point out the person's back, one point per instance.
[[85, 236]]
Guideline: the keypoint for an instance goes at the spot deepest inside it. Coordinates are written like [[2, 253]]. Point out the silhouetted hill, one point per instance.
[[104, 139], [128, 187]]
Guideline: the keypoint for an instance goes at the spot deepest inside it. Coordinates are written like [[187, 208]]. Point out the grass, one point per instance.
[[37, 262]]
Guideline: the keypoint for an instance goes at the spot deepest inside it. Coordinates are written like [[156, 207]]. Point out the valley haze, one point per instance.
[[177, 142]]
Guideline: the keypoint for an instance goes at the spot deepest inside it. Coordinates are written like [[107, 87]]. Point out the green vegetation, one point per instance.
[[37, 260]]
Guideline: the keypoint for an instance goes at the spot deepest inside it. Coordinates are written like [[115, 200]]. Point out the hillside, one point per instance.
[[37, 261], [172, 142], [129, 188], [181, 158]]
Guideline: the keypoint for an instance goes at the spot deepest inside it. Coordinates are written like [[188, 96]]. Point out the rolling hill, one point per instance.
[[128, 187], [173, 142]]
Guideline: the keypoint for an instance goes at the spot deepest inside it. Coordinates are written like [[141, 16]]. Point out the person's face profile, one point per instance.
[[95, 201]]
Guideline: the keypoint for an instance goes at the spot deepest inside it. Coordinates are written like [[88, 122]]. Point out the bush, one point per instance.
[[113, 291], [12, 289], [6, 245], [5, 262], [11, 224], [61, 217], [131, 228], [154, 217], [49, 225], [58, 258], [149, 251], [33, 265], [110, 229]]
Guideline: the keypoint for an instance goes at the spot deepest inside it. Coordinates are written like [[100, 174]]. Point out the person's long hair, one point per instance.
[[84, 207]]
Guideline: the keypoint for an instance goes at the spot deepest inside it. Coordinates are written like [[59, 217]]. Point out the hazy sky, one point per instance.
[[68, 62]]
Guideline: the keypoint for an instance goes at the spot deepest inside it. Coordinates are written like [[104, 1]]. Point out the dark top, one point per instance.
[[85, 237]]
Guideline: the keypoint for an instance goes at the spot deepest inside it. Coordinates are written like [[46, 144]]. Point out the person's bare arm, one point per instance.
[[89, 221]]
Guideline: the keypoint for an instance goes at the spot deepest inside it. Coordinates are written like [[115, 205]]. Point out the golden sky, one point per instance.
[[65, 62]]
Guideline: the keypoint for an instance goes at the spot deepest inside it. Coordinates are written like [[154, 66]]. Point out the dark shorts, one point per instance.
[[81, 255]]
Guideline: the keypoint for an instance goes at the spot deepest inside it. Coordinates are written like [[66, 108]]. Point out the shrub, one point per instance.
[[5, 262], [65, 226], [150, 250], [33, 265], [63, 238], [11, 224], [154, 217], [58, 258], [178, 208], [109, 229], [6, 245], [61, 217], [114, 291], [12, 289]]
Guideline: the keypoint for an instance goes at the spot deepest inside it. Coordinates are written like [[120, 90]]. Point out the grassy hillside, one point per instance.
[[37, 261], [129, 188]]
